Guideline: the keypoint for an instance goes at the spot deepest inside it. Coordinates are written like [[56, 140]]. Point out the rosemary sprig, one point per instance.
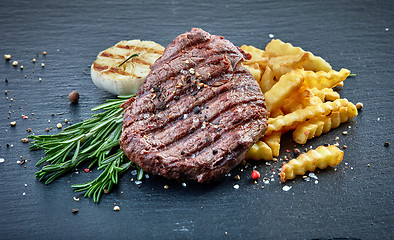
[[95, 141], [134, 55]]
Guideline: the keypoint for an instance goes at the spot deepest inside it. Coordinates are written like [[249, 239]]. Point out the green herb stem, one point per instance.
[[127, 59], [93, 141]]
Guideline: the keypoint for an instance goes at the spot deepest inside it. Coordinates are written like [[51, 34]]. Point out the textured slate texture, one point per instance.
[[355, 201]]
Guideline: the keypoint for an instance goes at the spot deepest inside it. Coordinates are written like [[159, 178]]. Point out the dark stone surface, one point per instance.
[[353, 202]]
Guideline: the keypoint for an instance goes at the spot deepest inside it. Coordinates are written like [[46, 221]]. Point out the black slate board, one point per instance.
[[352, 202]]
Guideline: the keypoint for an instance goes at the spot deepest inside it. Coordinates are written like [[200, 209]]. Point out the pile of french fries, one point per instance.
[[298, 89]]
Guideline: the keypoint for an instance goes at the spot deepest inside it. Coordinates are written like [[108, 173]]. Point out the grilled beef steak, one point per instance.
[[198, 112]]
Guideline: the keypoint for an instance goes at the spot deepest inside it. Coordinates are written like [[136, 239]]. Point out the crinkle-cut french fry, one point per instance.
[[255, 70], [321, 157], [273, 141], [278, 48], [325, 94], [276, 113], [323, 79], [283, 89], [259, 150], [322, 124], [267, 80], [290, 121], [282, 65], [258, 56], [300, 99]]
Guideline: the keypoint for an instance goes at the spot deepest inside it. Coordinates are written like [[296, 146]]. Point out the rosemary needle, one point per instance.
[[134, 55], [93, 141]]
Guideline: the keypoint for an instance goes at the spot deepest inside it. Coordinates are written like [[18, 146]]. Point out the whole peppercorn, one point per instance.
[[359, 105], [73, 97], [296, 151]]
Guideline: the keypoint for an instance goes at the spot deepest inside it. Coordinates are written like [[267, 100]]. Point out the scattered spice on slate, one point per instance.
[[344, 146], [24, 140], [15, 63], [13, 124], [359, 105], [255, 174], [296, 151], [44, 53], [237, 177], [73, 97], [75, 210], [116, 208], [166, 187], [387, 144], [7, 57]]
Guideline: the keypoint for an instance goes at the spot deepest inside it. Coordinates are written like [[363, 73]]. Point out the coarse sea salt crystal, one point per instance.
[[185, 116], [2, 160], [271, 35], [316, 182], [183, 184], [313, 175], [137, 182], [134, 172], [307, 179], [146, 175], [286, 188], [266, 181], [387, 29], [236, 186]]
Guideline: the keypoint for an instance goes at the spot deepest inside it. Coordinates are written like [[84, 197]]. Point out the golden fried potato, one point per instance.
[[273, 141], [267, 80], [321, 79], [321, 157], [278, 48], [258, 56], [292, 120], [255, 70], [283, 89], [260, 150]]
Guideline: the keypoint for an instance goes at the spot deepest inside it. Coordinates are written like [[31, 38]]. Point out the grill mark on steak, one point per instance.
[[203, 98], [226, 99], [193, 140], [196, 120]]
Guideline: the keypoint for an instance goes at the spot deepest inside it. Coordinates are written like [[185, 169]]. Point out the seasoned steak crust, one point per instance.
[[197, 113]]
